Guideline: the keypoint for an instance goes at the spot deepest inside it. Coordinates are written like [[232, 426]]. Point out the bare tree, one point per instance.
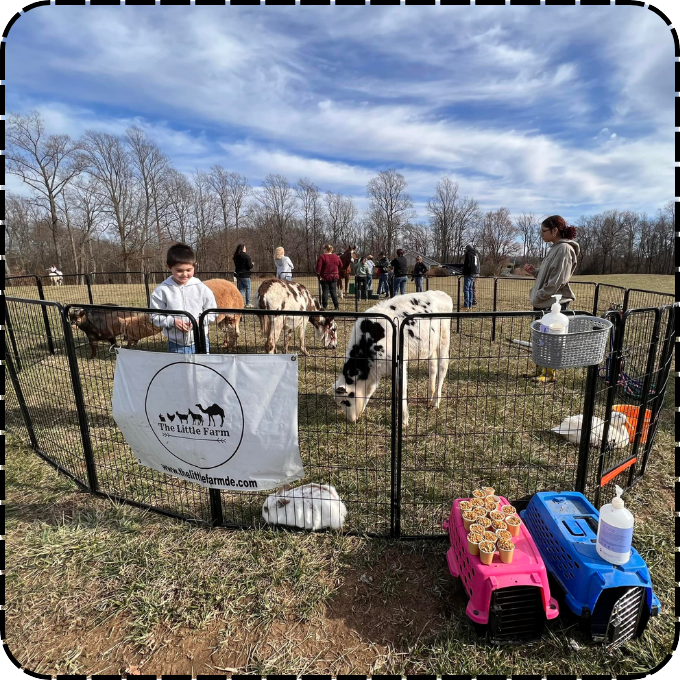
[[277, 199], [311, 213], [150, 165], [527, 226], [498, 236], [180, 218], [390, 206], [341, 215], [47, 163], [442, 208]]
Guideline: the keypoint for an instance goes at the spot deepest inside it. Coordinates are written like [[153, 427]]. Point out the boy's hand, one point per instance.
[[183, 325]]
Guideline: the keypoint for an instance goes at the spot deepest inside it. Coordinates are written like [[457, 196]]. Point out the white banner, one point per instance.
[[221, 420]]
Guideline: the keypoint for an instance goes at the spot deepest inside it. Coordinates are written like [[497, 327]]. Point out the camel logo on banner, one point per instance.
[[218, 427], [224, 421]]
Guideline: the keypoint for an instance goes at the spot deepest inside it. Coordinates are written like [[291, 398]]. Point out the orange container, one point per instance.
[[632, 413]]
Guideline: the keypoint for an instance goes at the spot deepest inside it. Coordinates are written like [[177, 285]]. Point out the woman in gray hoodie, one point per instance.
[[554, 274]]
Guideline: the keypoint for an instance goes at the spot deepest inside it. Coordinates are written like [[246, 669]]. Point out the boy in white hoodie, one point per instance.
[[181, 291]]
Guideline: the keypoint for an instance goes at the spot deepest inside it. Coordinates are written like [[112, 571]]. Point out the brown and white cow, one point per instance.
[[278, 295]]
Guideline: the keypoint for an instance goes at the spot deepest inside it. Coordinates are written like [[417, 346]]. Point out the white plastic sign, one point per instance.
[[223, 421]]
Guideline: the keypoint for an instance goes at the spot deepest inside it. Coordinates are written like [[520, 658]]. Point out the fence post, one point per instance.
[[458, 306], [400, 368], [13, 340], [48, 331], [626, 295], [495, 300], [89, 289], [644, 397], [666, 363], [588, 412], [356, 296], [80, 403], [146, 287], [427, 283], [596, 298], [22, 402], [614, 371]]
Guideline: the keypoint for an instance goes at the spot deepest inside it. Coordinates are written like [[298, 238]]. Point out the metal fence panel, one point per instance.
[[512, 294], [608, 298], [637, 299], [73, 290], [46, 385], [22, 287], [492, 426], [355, 458], [118, 474]]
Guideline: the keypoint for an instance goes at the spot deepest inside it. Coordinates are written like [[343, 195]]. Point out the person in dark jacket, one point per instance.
[[242, 266], [327, 267], [470, 272], [384, 265], [400, 273], [418, 273]]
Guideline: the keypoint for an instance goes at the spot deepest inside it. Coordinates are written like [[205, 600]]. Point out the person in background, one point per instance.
[[361, 278], [554, 275], [327, 267], [182, 291], [418, 273], [284, 266], [384, 265], [400, 268], [243, 266], [369, 281], [470, 272]]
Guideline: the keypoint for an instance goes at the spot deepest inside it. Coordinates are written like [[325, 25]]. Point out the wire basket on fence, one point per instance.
[[583, 344]]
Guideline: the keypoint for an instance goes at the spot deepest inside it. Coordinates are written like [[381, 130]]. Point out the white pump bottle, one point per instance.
[[555, 318], [615, 531]]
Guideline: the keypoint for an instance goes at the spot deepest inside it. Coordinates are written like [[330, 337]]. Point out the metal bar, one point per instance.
[[626, 295], [89, 289], [22, 402], [614, 372], [458, 307], [48, 330], [495, 300], [80, 401], [646, 385], [13, 340], [588, 412], [396, 485], [146, 288], [356, 296], [596, 298]]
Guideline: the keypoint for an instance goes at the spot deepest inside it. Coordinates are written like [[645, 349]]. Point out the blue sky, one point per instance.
[[563, 110]]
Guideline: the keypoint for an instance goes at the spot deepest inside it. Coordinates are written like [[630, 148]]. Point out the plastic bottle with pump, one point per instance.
[[615, 531], [555, 321]]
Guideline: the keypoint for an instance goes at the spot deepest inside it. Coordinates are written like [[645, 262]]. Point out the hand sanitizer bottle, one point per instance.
[[556, 318], [615, 531]]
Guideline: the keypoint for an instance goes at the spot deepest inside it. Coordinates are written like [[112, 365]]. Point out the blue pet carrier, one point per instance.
[[614, 602]]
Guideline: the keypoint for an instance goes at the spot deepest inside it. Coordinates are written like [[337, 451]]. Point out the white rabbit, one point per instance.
[[312, 506], [570, 428]]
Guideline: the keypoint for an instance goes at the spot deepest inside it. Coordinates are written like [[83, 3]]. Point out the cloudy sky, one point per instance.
[[546, 109]]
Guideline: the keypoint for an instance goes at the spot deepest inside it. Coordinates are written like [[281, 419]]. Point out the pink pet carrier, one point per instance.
[[508, 602]]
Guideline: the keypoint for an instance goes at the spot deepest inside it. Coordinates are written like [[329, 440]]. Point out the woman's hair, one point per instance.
[[400, 252], [328, 248], [180, 253], [279, 252], [363, 259], [559, 223], [239, 249]]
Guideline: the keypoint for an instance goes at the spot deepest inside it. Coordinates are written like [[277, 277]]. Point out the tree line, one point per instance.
[[115, 203]]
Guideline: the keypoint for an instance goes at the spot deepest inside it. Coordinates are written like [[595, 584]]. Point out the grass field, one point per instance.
[[100, 587]]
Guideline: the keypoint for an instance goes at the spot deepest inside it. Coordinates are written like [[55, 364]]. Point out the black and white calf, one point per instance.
[[279, 294], [369, 352]]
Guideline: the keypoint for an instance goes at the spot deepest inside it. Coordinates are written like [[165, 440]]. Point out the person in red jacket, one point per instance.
[[327, 270]]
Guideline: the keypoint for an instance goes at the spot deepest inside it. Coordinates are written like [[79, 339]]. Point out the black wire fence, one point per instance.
[[445, 417]]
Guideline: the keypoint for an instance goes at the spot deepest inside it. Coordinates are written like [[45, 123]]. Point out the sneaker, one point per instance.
[[544, 379]]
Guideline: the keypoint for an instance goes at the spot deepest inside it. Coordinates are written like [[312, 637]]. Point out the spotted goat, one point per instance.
[[369, 352], [279, 295]]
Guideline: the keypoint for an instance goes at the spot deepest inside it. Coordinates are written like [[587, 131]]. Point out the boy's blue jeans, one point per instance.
[[468, 291], [243, 286], [176, 348]]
